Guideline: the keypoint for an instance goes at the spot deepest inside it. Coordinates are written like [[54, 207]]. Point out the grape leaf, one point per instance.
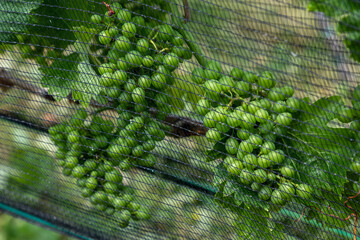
[[220, 175], [333, 7], [15, 17], [323, 152], [87, 84], [217, 151], [250, 198], [71, 73], [61, 75]]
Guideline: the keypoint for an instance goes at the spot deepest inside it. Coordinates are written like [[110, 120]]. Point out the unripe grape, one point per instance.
[[78, 171], [231, 146], [220, 114], [123, 15], [203, 106], [104, 37], [110, 187], [253, 106], [237, 74], [293, 104], [265, 193], [304, 191], [287, 91], [284, 118], [128, 30], [138, 151], [106, 68], [260, 176], [187, 54], [265, 103], [142, 46], [267, 147], [246, 177], [134, 59], [275, 95], [263, 161], [242, 88], [256, 140], [246, 147], [227, 83], [91, 183], [148, 161], [250, 161], [138, 95], [243, 134], [223, 128], [276, 198], [212, 86], [171, 61], [73, 137], [287, 171], [113, 31], [96, 19], [277, 157], [233, 119], [148, 61], [287, 190], [114, 176], [261, 115], [255, 186], [165, 33], [235, 168], [279, 107], [265, 82], [271, 176], [248, 121], [213, 135], [123, 44], [210, 73]]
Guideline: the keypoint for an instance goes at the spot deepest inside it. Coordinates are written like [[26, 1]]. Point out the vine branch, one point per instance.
[[180, 126]]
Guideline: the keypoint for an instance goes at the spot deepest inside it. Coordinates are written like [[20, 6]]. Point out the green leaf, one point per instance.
[[15, 17], [250, 198], [87, 85], [333, 8], [220, 176], [71, 73], [323, 153], [61, 75], [217, 151]]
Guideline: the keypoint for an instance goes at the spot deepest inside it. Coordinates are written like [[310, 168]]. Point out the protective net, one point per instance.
[[193, 119]]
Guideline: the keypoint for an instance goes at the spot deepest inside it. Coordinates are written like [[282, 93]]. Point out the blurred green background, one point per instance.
[[17, 229]]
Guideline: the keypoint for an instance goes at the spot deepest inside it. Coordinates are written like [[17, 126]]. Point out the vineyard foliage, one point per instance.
[[268, 147]]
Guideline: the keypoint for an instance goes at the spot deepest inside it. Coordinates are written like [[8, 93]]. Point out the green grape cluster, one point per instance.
[[83, 153], [139, 63], [247, 114], [134, 75]]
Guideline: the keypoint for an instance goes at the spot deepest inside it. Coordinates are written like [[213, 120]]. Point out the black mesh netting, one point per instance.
[[193, 119]]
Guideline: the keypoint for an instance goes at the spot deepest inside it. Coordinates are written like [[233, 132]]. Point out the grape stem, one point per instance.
[[152, 42], [95, 60], [188, 37], [164, 49]]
